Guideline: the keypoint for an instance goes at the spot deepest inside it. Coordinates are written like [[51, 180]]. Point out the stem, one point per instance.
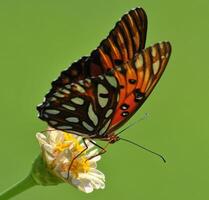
[[19, 187], [39, 175]]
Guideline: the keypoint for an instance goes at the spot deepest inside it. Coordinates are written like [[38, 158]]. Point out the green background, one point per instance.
[[38, 39]]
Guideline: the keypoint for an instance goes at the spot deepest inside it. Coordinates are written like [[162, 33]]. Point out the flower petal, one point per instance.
[[95, 181], [84, 185], [97, 173], [92, 153], [59, 149], [41, 138]]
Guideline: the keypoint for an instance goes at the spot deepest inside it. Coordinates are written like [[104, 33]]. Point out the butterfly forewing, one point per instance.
[[124, 41]]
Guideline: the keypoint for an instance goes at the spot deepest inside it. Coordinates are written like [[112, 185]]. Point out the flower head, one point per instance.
[[60, 151]]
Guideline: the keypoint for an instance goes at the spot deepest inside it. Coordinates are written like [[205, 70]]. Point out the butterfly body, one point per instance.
[[97, 94]]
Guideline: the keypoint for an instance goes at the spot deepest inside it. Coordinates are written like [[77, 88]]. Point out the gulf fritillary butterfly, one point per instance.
[[97, 94]]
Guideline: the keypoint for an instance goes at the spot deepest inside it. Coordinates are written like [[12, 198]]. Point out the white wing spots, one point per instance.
[[64, 127], [154, 51], [81, 82], [52, 111], [72, 119], [53, 99], [118, 98], [87, 126], [92, 116], [53, 122], [58, 94], [139, 62], [156, 66], [47, 104], [112, 80], [78, 100], [68, 86], [102, 101], [102, 89], [88, 80], [46, 116], [68, 107], [103, 130], [101, 77], [64, 90], [78, 87], [108, 113]]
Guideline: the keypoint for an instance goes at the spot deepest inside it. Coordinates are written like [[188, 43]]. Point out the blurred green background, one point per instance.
[[38, 39]]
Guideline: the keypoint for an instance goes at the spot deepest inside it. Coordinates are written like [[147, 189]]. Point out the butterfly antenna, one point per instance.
[[142, 147], [137, 121]]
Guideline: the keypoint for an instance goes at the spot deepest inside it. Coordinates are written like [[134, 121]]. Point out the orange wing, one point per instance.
[[122, 75], [124, 41], [142, 74]]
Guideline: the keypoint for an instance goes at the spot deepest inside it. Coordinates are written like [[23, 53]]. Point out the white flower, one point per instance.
[[59, 149]]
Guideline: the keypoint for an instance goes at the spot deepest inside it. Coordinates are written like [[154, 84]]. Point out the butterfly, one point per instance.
[[99, 93]]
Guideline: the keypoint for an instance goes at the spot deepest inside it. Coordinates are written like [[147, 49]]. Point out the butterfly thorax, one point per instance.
[[112, 138]]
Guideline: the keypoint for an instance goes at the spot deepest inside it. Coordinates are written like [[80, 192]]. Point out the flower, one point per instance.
[[59, 150]]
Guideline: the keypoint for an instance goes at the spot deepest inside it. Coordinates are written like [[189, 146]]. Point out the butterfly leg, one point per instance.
[[102, 151], [86, 147], [47, 130]]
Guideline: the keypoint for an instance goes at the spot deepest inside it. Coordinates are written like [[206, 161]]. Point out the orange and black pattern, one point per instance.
[[141, 75], [99, 93]]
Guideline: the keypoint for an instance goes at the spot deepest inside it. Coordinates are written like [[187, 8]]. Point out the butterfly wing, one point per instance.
[[139, 79], [84, 97], [84, 108], [127, 37], [124, 41], [122, 53], [99, 93]]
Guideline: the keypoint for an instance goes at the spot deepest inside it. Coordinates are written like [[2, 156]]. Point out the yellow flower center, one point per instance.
[[79, 164], [61, 147], [68, 140]]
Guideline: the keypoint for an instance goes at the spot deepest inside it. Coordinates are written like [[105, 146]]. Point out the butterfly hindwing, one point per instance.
[[149, 66], [85, 107]]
